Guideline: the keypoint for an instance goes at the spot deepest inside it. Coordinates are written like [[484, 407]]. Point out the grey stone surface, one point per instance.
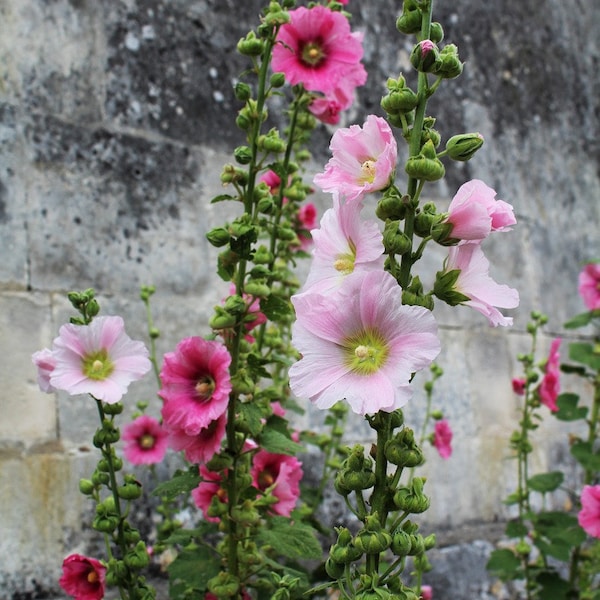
[[115, 120]]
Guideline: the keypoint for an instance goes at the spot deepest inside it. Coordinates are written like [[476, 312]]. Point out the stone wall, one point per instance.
[[115, 120]]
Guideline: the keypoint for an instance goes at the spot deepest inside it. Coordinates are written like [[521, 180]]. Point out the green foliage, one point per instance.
[[292, 539]]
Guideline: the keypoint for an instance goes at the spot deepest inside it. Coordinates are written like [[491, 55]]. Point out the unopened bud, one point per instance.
[[425, 165], [425, 57], [250, 45], [462, 147]]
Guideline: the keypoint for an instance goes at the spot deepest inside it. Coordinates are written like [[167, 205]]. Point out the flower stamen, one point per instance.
[[312, 54], [147, 441]]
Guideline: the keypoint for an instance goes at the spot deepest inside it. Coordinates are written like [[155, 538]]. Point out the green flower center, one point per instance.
[[344, 263], [366, 351], [312, 54], [367, 171], [205, 387], [97, 366]]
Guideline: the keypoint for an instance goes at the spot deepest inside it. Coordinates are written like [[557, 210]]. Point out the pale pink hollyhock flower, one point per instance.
[[361, 344], [281, 474], [209, 486], [317, 49], [98, 359], [442, 438], [363, 160], [474, 281], [202, 446], [589, 515], [426, 592], [518, 385], [145, 440], [195, 384], [589, 286], [83, 577], [550, 385], [45, 362], [342, 245], [474, 212]]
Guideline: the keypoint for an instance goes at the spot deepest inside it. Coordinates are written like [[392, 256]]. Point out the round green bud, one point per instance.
[[242, 91], [462, 147], [250, 45], [436, 32], [277, 80]]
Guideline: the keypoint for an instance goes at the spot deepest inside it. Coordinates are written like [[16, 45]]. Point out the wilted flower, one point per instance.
[[83, 577], [145, 441], [442, 438]]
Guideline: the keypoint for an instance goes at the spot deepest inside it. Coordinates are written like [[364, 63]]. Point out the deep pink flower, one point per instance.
[[83, 577], [45, 362], [145, 441], [474, 212], [195, 385], [202, 446], [589, 286], [280, 473], [550, 385], [518, 385], [98, 359], [209, 487], [474, 282], [343, 244], [442, 438], [426, 592], [363, 160], [254, 316], [307, 217], [589, 515], [361, 344], [318, 50]]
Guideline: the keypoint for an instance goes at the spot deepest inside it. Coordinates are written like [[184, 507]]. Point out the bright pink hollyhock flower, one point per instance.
[[343, 244], [474, 212], [209, 486], [589, 515], [202, 446], [426, 592], [474, 282], [98, 359], [361, 344], [145, 440], [307, 217], [281, 474], [195, 385], [45, 362], [318, 50], [442, 438], [254, 317], [550, 385], [363, 160], [83, 577], [518, 385], [589, 286]]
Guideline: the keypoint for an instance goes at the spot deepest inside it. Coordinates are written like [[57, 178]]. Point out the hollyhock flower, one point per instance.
[[145, 441], [474, 212], [442, 438], [254, 317], [518, 385], [98, 359], [83, 577], [473, 286], [202, 446], [307, 217], [45, 362], [318, 50], [426, 592], [272, 180], [360, 344], [363, 160], [209, 487], [344, 244], [281, 474], [549, 387], [589, 286], [589, 515], [195, 384]]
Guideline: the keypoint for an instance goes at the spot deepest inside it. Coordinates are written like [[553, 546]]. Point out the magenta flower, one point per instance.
[[482, 292], [344, 244], [281, 475], [83, 577], [442, 438], [518, 385], [360, 344], [589, 286], [45, 362], [98, 359], [195, 385], [363, 160], [549, 387], [589, 515], [426, 592], [202, 446], [209, 487], [474, 212], [145, 440], [318, 50]]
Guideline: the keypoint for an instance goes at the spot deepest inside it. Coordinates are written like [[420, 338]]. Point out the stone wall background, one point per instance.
[[116, 117]]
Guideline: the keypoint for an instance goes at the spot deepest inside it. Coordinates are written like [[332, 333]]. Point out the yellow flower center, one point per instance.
[[147, 441], [312, 54], [205, 387], [367, 171], [92, 577], [344, 263], [97, 365], [366, 351]]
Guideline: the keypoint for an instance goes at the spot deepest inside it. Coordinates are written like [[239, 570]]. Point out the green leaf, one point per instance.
[[275, 308], [504, 564], [291, 539], [568, 409], [584, 353], [195, 567], [516, 529], [586, 456], [222, 197], [278, 443], [251, 414], [553, 586], [182, 482], [546, 482], [579, 320]]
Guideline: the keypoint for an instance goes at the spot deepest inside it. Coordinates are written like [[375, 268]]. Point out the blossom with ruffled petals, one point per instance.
[[589, 515], [318, 50], [549, 387], [83, 577], [195, 384], [145, 441], [209, 487], [442, 438], [363, 160], [202, 446], [589, 286], [359, 343], [98, 359]]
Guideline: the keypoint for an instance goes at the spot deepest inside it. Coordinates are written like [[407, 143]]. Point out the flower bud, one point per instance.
[[400, 99], [462, 147], [242, 91], [246, 514], [411, 499], [425, 219], [391, 205], [444, 287], [86, 487], [394, 240], [403, 451], [333, 569], [277, 80], [137, 558], [436, 32], [218, 237], [262, 256], [242, 383], [243, 155], [425, 57], [450, 66], [222, 319], [426, 165], [113, 409], [258, 289], [250, 45], [131, 489], [372, 539], [401, 543], [409, 21], [224, 585]]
